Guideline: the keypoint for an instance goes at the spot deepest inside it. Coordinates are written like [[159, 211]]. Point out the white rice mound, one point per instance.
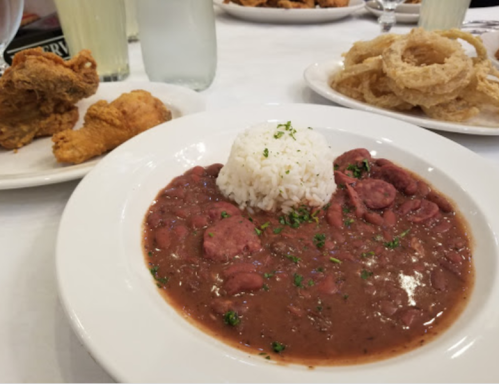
[[278, 174]]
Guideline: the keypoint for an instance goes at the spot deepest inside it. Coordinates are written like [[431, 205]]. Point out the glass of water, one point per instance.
[[387, 19], [11, 12]]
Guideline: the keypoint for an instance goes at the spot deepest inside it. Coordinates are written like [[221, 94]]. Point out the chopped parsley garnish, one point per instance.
[[231, 318], [320, 269], [266, 152], [345, 297], [326, 206], [378, 238], [336, 167], [263, 226], [286, 126], [294, 259], [211, 234], [162, 280], [154, 270], [367, 254], [225, 215], [366, 165], [356, 171], [258, 232], [365, 274], [392, 244], [349, 222], [278, 135], [278, 230], [268, 275], [319, 308], [309, 128], [298, 279], [297, 217], [287, 172], [311, 283], [149, 254], [405, 232], [250, 219], [265, 287], [278, 347], [346, 210], [335, 260], [320, 240]]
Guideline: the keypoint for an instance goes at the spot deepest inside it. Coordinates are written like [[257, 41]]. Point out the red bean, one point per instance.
[[409, 316], [334, 216], [180, 231], [438, 280], [442, 227], [442, 202], [423, 188], [454, 257], [388, 308], [341, 179], [390, 218], [373, 218], [327, 285], [238, 268], [243, 282], [163, 237], [356, 202]]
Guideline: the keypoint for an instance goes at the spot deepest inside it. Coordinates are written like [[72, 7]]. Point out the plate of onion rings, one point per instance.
[[425, 78]]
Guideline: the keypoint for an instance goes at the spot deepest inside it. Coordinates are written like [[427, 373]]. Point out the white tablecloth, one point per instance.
[[257, 63]]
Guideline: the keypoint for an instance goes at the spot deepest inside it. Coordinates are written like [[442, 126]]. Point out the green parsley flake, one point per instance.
[[356, 171], [311, 283], [278, 135], [154, 270], [334, 260], [294, 259], [320, 240], [263, 226], [258, 232], [211, 234], [392, 244], [320, 269], [349, 222], [231, 318], [346, 210], [367, 254], [266, 152], [366, 165], [225, 215], [278, 230], [345, 297], [149, 254], [287, 172], [406, 232], [268, 275], [298, 279], [278, 347], [265, 287], [365, 274]]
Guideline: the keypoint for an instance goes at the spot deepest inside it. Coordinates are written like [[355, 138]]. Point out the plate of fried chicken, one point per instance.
[[57, 121], [290, 11]]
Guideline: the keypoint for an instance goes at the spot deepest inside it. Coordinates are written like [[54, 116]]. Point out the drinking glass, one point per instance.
[[132, 25], [100, 26], [443, 14], [11, 12], [387, 19]]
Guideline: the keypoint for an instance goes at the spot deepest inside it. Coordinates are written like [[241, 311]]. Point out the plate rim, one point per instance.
[[77, 171], [327, 92], [75, 323]]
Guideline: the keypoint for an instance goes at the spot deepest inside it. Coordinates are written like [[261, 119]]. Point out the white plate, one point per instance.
[[35, 164], [115, 307], [491, 42], [318, 76], [283, 16], [405, 13]]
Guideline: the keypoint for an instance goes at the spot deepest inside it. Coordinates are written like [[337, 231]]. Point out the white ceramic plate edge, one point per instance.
[[317, 77]]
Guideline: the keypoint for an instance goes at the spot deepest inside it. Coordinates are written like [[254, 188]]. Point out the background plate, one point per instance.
[[116, 310], [35, 164], [402, 14], [284, 16], [318, 77]]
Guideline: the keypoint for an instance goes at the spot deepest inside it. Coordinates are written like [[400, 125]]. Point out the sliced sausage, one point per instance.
[[376, 194], [399, 178], [352, 157], [243, 282], [410, 205], [334, 216], [423, 189], [425, 212], [230, 237], [341, 179], [215, 210], [442, 202], [357, 203]]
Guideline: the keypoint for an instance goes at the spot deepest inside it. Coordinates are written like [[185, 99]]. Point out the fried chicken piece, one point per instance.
[[247, 3], [38, 93], [289, 4], [108, 125], [332, 3]]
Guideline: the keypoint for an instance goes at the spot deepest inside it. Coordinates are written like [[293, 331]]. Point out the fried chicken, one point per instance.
[[332, 3], [108, 125], [38, 93], [296, 4]]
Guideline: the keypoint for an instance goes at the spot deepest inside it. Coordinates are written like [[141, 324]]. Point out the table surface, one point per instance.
[[257, 63]]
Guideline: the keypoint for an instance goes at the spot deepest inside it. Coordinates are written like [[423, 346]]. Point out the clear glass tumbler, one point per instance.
[[100, 26], [178, 41], [132, 25], [442, 14], [11, 12]]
